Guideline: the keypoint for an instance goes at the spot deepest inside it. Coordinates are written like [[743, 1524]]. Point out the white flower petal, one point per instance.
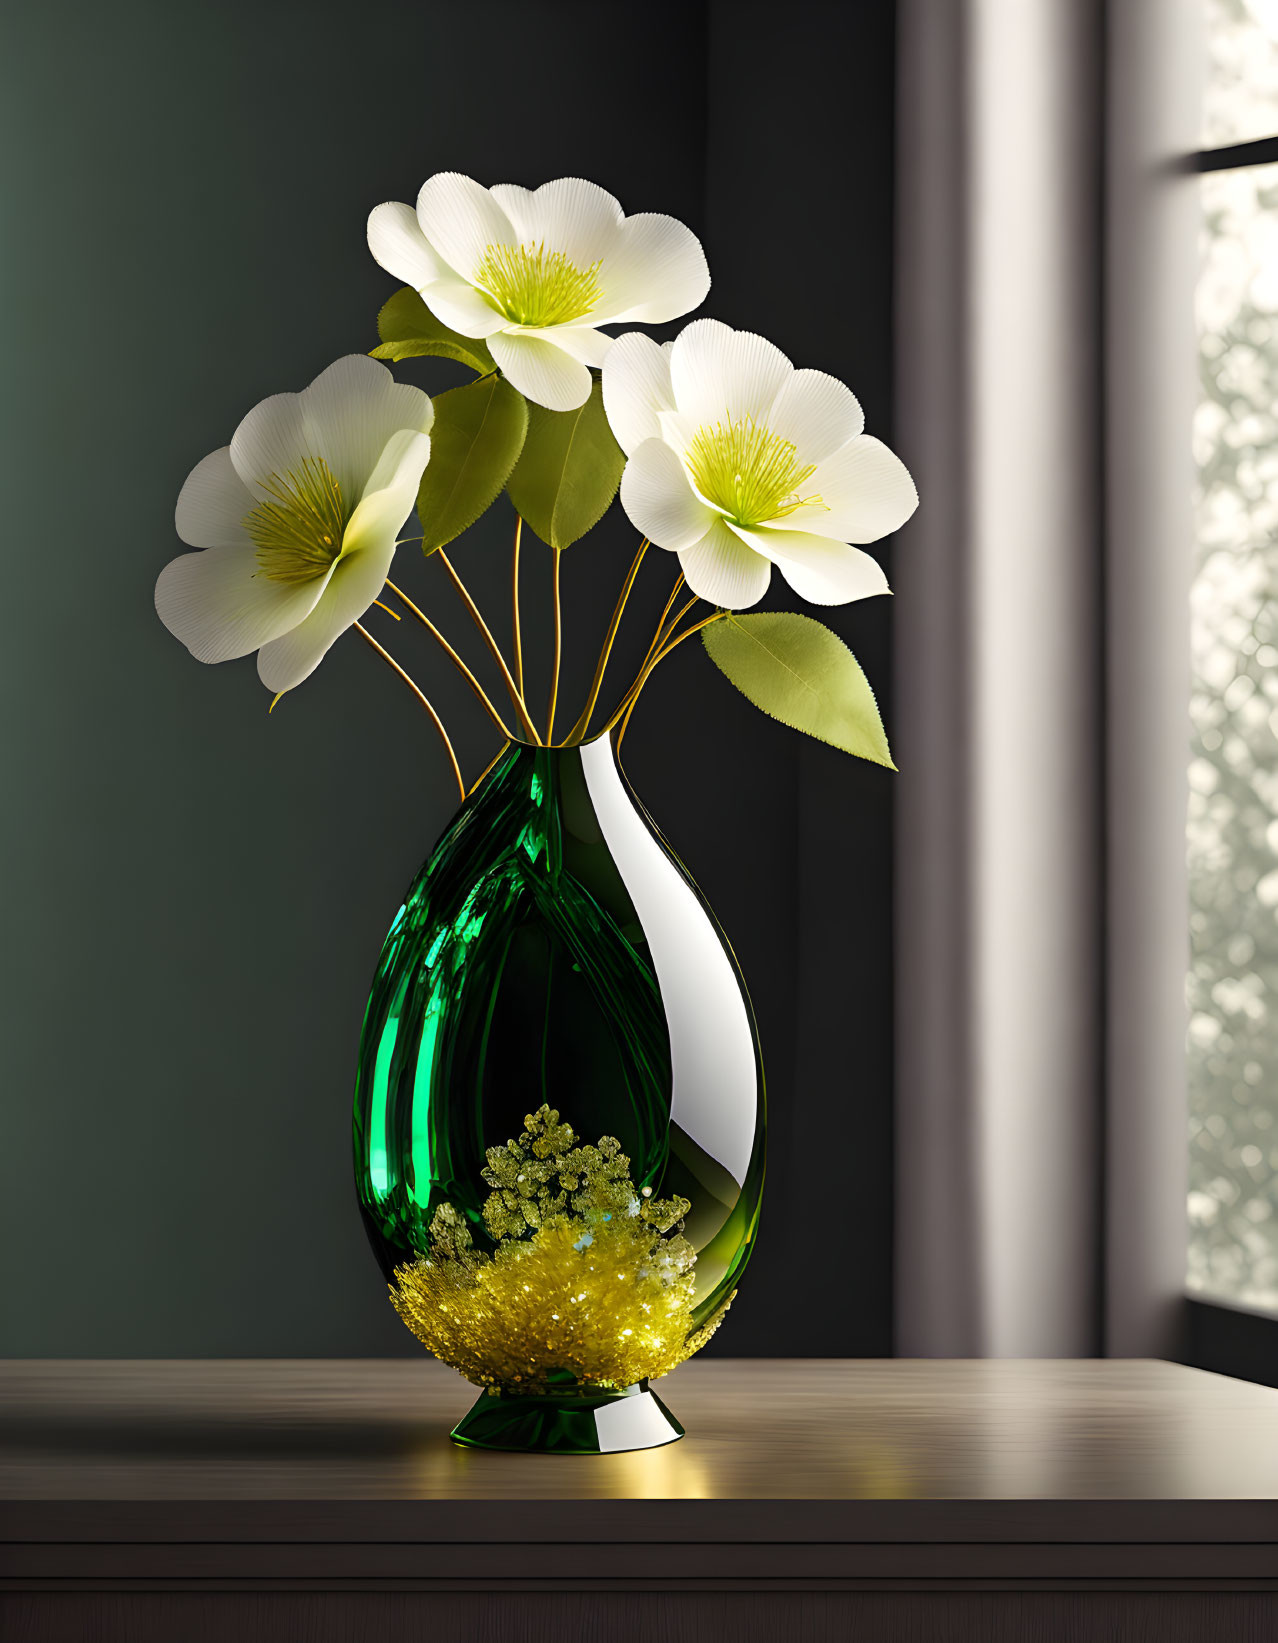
[[582, 342], [517, 203], [678, 430], [657, 272], [272, 439], [351, 411], [463, 308], [573, 216], [659, 501], [220, 605], [721, 568], [213, 502], [356, 580], [824, 572], [636, 388], [461, 220], [866, 490], [396, 240], [541, 372], [816, 413], [391, 493], [345, 417], [720, 374]]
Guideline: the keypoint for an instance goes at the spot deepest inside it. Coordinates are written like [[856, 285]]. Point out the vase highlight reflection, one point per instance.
[[559, 1113]]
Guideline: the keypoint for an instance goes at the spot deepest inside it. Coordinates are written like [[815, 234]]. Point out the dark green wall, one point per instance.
[[194, 894]]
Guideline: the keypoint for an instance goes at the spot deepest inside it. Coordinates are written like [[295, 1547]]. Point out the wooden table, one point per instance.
[[183, 1502]]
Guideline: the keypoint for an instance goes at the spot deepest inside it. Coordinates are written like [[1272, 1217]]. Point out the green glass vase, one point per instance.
[[554, 958]]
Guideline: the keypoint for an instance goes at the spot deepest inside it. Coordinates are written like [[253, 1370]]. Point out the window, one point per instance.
[[1233, 769]]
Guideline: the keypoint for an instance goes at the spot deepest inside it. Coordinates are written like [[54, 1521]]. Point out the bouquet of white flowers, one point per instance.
[[725, 456]]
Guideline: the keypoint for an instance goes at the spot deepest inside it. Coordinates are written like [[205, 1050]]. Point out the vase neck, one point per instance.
[[605, 739], [558, 765]]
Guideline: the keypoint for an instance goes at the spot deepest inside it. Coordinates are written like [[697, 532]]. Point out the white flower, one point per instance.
[[297, 519], [534, 273], [739, 462]]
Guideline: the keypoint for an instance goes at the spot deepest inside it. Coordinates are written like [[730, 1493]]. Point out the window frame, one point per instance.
[[1227, 1337]]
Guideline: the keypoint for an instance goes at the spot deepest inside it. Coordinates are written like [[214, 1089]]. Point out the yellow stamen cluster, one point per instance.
[[533, 286], [590, 1280], [299, 534], [751, 473]]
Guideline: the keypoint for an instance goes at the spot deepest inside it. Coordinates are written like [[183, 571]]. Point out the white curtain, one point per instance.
[[1040, 717]]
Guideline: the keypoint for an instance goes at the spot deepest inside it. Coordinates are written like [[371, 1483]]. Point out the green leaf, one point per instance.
[[475, 441], [568, 472], [801, 673], [408, 329]]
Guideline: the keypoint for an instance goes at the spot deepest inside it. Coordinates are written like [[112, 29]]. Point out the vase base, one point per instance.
[[601, 1423]]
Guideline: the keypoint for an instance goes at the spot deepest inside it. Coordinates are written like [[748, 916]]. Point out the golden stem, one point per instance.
[[578, 731], [559, 645], [516, 695], [676, 619], [488, 768], [625, 725], [469, 677], [514, 603], [662, 631], [632, 695], [386, 608], [656, 638], [435, 718], [673, 644]]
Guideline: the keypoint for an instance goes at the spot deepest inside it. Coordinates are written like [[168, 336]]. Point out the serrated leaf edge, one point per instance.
[[420, 346], [886, 764], [501, 486]]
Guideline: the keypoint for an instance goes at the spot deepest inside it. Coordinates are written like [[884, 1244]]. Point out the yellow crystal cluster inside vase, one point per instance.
[[590, 1282]]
